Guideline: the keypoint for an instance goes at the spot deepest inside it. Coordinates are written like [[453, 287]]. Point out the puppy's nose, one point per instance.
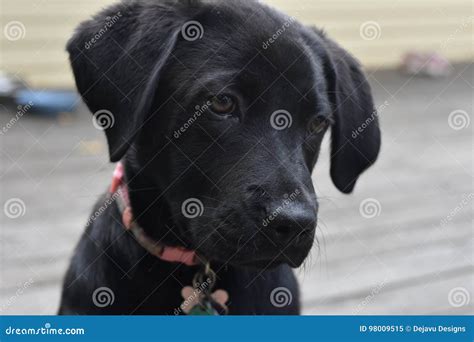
[[287, 225]]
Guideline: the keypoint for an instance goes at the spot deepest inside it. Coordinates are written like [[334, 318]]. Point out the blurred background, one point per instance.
[[401, 244]]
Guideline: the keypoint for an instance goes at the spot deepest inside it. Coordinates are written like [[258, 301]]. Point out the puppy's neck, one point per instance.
[[149, 207]]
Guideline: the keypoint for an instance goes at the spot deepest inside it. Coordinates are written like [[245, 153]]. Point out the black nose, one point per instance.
[[288, 224]]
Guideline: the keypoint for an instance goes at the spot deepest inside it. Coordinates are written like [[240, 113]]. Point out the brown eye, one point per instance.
[[318, 125], [222, 105]]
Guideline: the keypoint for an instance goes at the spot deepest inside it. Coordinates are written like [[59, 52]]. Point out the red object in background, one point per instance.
[[426, 64]]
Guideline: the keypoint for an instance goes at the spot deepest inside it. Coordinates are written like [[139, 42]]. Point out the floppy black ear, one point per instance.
[[355, 134], [117, 58]]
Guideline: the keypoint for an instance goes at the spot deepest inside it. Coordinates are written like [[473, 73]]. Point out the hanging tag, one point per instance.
[[200, 300]]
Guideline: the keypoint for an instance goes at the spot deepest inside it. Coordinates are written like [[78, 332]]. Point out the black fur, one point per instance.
[[151, 79]]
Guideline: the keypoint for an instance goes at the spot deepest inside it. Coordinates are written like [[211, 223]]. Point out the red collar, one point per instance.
[[119, 192]]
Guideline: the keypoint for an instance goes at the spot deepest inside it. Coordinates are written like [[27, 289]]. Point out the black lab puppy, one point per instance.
[[216, 110]]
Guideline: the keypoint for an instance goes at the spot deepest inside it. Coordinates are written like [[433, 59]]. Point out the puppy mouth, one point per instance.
[[233, 245], [293, 262], [294, 256], [264, 263]]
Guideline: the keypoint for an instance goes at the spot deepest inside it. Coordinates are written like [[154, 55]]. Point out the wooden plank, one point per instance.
[[405, 25], [415, 298]]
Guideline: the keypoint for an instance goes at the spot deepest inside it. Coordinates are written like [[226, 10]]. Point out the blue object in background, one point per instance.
[[48, 102]]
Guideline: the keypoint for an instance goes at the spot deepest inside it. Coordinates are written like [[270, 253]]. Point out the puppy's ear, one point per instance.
[[355, 134], [117, 58]]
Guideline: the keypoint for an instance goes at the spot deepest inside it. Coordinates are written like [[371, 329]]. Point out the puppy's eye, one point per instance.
[[222, 105], [318, 125]]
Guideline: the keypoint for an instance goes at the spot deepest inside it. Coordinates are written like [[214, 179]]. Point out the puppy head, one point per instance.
[[219, 110]]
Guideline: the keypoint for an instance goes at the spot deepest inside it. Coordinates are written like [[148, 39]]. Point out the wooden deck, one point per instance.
[[406, 260]]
